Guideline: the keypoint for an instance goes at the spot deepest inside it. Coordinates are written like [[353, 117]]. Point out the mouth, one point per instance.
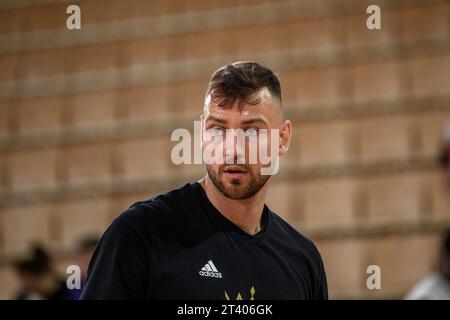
[[234, 172]]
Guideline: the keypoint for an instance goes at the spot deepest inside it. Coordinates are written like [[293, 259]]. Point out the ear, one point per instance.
[[285, 137]]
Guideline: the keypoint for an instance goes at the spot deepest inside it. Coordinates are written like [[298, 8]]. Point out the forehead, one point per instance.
[[267, 106]]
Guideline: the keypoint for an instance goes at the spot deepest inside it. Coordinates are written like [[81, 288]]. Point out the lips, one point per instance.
[[234, 169], [234, 172]]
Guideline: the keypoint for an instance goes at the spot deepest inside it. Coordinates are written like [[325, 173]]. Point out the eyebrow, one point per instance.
[[255, 120], [214, 118], [246, 121]]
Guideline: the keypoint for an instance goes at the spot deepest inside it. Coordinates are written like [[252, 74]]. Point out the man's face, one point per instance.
[[220, 129]]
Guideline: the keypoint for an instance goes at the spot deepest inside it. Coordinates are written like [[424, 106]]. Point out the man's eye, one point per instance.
[[217, 130], [251, 132]]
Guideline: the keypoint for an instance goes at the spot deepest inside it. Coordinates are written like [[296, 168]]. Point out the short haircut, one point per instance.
[[239, 81], [37, 262]]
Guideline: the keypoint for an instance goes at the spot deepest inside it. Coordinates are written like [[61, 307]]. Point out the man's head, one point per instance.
[[243, 98], [33, 270]]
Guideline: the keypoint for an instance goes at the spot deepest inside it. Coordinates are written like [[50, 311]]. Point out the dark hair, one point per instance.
[[38, 262], [239, 80]]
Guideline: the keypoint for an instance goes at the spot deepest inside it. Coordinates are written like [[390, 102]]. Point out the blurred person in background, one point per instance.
[[436, 286], [38, 279], [85, 249]]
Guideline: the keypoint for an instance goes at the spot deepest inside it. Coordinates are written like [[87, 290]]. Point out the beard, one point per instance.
[[237, 189]]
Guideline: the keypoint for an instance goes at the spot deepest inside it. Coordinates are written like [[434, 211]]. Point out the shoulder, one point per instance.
[[148, 216], [164, 202]]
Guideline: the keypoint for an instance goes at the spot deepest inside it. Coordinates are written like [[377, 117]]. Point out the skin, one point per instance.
[[241, 200]]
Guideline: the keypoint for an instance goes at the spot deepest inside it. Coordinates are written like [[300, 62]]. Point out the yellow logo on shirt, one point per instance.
[[239, 296]]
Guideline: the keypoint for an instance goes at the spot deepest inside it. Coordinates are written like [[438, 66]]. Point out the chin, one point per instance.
[[236, 191]]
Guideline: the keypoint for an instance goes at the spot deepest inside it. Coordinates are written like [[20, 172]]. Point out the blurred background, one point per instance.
[[86, 117]]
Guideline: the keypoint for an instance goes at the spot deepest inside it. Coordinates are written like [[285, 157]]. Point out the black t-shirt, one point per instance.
[[179, 246]]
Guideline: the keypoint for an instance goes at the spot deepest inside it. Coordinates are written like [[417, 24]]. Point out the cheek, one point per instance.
[[214, 167], [212, 144], [265, 146]]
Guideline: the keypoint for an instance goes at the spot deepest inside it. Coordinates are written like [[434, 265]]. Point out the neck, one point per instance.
[[246, 213]]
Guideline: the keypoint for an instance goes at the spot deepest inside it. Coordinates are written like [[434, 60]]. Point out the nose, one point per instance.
[[235, 146]]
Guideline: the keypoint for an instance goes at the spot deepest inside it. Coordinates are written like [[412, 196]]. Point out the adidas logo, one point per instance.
[[210, 270]]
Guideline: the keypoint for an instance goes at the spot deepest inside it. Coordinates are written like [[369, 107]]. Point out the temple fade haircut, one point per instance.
[[240, 81]]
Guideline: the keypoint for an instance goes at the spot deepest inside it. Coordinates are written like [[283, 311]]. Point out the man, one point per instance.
[[38, 278], [215, 238]]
